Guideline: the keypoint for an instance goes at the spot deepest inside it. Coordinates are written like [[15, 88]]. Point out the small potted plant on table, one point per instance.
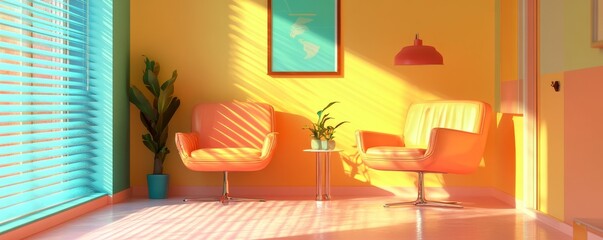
[[321, 133]]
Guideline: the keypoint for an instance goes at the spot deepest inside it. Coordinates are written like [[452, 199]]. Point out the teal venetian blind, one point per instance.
[[53, 121]]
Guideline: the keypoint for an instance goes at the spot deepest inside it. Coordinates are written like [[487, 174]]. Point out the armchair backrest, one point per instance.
[[232, 124], [469, 116]]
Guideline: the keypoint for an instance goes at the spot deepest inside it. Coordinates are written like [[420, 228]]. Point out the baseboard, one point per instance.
[[56, 219], [435, 193], [537, 215], [121, 196], [593, 236], [507, 199], [550, 221]]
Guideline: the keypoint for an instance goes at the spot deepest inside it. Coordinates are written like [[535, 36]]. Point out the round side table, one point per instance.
[[325, 155]]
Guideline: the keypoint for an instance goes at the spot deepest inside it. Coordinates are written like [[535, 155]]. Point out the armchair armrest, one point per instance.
[[269, 145], [368, 139], [186, 143], [466, 147]]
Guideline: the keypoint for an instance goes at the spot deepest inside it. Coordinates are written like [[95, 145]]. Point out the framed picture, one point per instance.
[[304, 37], [597, 23]]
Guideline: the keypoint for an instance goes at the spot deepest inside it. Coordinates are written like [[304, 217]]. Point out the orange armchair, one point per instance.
[[439, 137], [228, 137]]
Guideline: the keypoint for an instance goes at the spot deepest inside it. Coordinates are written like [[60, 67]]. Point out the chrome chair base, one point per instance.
[[421, 201], [425, 203], [225, 198]]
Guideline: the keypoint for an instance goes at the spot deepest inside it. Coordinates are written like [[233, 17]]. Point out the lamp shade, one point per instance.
[[418, 54]]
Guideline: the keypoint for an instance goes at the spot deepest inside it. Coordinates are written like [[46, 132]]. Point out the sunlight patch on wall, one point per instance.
[[370, 97], [543, 165], [518, 121]]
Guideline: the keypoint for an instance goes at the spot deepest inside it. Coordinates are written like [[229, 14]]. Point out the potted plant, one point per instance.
[[155, 115], [329, 136], [321, 133]]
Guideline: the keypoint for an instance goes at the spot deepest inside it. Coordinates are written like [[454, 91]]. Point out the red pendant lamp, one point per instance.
[[418, 54]]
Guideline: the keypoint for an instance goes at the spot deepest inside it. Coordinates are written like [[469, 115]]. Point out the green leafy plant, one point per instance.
[[155, 115], [320, 129]]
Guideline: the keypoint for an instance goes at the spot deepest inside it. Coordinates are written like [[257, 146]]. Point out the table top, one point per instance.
[[321, 150]]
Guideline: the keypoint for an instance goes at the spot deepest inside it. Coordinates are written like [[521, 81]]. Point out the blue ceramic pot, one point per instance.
[[157, 185]]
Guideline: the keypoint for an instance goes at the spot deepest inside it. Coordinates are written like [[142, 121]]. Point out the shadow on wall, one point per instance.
[[298, 168], [507, 171]]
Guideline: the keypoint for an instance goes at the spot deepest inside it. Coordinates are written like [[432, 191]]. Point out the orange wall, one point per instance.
[[509, 40], [219, 50]]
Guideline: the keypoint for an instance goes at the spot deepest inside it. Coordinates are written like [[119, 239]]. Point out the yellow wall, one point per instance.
[[219, 50]]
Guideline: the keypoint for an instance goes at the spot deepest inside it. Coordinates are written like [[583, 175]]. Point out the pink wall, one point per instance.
[[583, 143], [510, 97]]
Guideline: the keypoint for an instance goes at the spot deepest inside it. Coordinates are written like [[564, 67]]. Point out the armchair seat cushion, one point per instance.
[[395, 158], [226, 159], [397, 153], [219, 154]]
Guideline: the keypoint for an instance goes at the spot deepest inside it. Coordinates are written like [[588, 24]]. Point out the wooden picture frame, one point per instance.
[[304, 37], [597, 23]]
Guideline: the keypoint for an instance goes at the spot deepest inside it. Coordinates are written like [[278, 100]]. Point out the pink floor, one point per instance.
[[352, 218]]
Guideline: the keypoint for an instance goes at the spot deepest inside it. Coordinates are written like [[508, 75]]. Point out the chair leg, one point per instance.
[[421, 201], [225, 198]]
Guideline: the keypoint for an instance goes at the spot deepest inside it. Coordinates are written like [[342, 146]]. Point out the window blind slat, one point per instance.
[[37, 80], [43, 89], [37, 42], [43, 127], [55, 153], [58, 30], [65, 34], [40, 117], [46, 107], [23, 59], [42, 71], [40, 52], [27, 166], [51, 177], [42, 13], [41, 178], [43, 135], [74, 12], [47, 98], [46, 145]]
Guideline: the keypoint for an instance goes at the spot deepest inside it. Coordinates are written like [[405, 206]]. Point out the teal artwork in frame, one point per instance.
[[304, 37]]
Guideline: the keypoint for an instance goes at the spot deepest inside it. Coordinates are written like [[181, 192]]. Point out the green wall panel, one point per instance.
[[121, 110], [565, 37], [578, 52], [551, 36]]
